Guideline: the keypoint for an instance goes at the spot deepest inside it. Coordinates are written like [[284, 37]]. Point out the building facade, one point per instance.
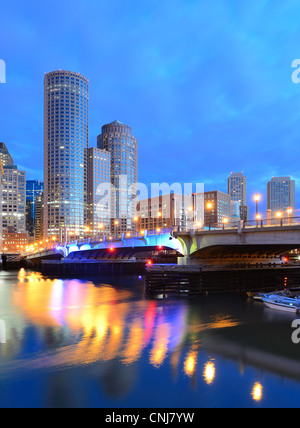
[[180, 212], [117, 139], [66, 108], [281, 195], [13, 199], [5, 157], [98, 197], [217, 209], [237, 190], [34, 188]]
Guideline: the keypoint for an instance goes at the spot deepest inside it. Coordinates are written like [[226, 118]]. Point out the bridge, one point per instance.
[[253, 243]]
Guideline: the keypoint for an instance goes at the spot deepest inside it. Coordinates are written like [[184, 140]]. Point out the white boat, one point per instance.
[[282, 303], [282, 293]]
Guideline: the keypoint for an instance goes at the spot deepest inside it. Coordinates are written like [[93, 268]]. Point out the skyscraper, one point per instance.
[[13, 194], [237, 190], [98, 173], [5, 156], [123, 147], [281, 194], [66, 108]]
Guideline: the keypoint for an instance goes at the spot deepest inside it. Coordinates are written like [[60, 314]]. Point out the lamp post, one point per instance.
[[209, 207], [116, 224], [279, 216], [257, 199], [289, 214]]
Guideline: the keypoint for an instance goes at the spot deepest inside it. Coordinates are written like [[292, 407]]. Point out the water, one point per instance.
[[76, 343]]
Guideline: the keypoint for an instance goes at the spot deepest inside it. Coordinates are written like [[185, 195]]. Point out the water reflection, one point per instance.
[[104, 323], [54, 325]]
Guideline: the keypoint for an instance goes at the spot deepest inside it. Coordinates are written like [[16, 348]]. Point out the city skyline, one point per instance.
[[176, 101]]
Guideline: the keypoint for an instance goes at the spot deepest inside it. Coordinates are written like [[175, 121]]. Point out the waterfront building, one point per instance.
[[12, 196], [13, 242], [281, 195], [237, 190], [217, 208], [13, 199], [34, 188], [181, 212], [66, 106], [98, 205], [117, 139]]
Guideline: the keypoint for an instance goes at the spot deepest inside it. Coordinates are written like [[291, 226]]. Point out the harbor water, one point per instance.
[[103, 342]]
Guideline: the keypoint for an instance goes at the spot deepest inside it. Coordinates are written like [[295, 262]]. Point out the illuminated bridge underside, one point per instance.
[[117, 253]]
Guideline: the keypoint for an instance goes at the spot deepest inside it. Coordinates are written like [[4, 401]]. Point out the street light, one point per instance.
[[209, 206], [279, 216], [289, 214], [257, 199]]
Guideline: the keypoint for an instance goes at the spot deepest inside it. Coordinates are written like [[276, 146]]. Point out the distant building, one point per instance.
[[12, 196], [217, 208], [34, 188], [13, 199], [5, 157], [183, 212], [98, 205], [281, 195], [14, 242], [117, 139], [237, 190], [39, 218]]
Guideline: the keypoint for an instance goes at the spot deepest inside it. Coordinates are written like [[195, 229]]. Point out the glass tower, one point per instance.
[[281, 194], [34, 188], [123, 147], [66, 108]]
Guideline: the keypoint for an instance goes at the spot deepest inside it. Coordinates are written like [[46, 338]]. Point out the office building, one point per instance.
[[5, 157], [66, 108], [181, 212], [13, 199], [39, 218], [34, 188], [13, 203], [281, 195], [237, 190], [117, 139], [98, 195], [217, 208], [14, 243]]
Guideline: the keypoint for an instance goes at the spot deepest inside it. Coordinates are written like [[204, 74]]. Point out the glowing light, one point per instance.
[[209, 205], [278, 214], [257, 392], [257, 198], [190, 364], [209, 373]]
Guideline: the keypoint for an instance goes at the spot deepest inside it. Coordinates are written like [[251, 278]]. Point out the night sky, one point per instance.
[[205, 85]]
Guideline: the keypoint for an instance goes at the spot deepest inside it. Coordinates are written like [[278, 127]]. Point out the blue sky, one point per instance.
[[206, 86]]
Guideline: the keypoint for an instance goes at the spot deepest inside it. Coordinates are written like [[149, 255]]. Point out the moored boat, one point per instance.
[[282, 303]]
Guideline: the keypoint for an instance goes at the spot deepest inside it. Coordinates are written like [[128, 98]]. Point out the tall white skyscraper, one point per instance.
[[66, 110], [281, 194]]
